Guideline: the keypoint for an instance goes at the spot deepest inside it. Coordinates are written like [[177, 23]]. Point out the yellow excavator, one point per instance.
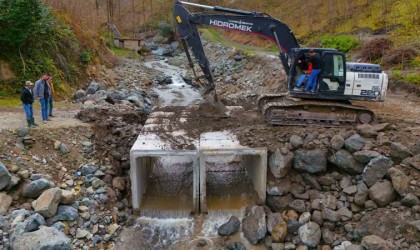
[[337, 84]]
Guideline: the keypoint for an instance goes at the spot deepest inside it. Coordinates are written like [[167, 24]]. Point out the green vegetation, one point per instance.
[[34, 40], [124, 53], [343, 43]]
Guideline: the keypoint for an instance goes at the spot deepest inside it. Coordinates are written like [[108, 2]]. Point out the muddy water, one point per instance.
[[178, 93]]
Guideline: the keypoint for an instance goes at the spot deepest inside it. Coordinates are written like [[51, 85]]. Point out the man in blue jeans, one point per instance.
[[42, 92], [27, 98], [315, 59]]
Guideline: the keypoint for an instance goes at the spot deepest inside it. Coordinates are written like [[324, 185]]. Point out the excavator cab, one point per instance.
[[330, 82]]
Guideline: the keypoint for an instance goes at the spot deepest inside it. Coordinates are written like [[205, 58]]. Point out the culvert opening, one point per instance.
[[229, 187], [165, 186]]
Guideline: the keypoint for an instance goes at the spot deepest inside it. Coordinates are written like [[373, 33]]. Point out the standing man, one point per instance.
[[42, 92], [27, 98], [315, 59], [50, 99]]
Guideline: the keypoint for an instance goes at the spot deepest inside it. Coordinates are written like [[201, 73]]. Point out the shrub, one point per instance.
[[375, 49], [399, 56], [165, 30], [343, 43]]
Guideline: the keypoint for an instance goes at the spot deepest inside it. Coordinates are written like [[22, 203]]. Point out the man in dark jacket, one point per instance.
[[42, 92], [27, 98]]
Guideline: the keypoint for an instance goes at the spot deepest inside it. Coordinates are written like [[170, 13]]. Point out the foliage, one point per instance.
[[375, 49], [400, 56], [165, 30], [343, 43], [21, 20]]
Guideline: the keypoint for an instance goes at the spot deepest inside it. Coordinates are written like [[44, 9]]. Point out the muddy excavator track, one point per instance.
[[281, 109]]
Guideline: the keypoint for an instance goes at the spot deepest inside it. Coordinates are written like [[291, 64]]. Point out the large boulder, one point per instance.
[[35, 188], [354, 143], [310, 234], [43, 239], [230, 227], [398, 152], [345, 160], [400, 181], [254, 225], [364, 156], [94, 87], [47, 202], [30, 224], [5, 177], [373, 242], [382, 193], [376, 170], [311, 161], [280, 162], [296, 141]]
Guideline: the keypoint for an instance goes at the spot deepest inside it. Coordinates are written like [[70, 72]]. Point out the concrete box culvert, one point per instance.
[[201, 163], [242, 172]]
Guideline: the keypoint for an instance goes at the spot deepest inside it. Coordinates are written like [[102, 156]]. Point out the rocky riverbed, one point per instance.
[[353, 187]]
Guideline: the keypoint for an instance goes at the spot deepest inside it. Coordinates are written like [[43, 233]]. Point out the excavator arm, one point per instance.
[[237, 20]]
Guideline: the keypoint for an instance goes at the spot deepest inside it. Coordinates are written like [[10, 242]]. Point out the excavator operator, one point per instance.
[[315, 60]]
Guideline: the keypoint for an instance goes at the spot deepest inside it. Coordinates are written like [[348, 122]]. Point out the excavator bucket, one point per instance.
[[212, 106]]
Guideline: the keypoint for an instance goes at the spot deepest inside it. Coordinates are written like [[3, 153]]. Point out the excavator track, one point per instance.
[[280, 109]]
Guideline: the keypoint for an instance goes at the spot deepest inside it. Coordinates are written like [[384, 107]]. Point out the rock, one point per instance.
[[326, 180], [272, 220], [93, 88], [298, 205], [24, 174], [414, 162], [410, 200], [119, 183], [346, 162], [81, 233], [362, 194], [280, 162], [5, 177], [376, 170], [22, 132], [5, 202], [337, 142], [281, 188], [400, 181], [367, 130], [79, 94], [354, 143], [57, 145], [279, 232], [47, 203], [345, 214], [88, 169], [97, 183], [350, 190], [65, 213], [327, 236], [111, 229], [292, 225], [67, 197], [354, 247], [35, 188], [304, 218], [31, 224], [279, 203], [398, 152], [296, 141], [382, 193], [311, 181], [63, 148], [330, 215], [311, 161], [373, 242], [254, 225], [230, 227], [364, 156], [317, 217], [310, 234], [411, 231], [44, 238]]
